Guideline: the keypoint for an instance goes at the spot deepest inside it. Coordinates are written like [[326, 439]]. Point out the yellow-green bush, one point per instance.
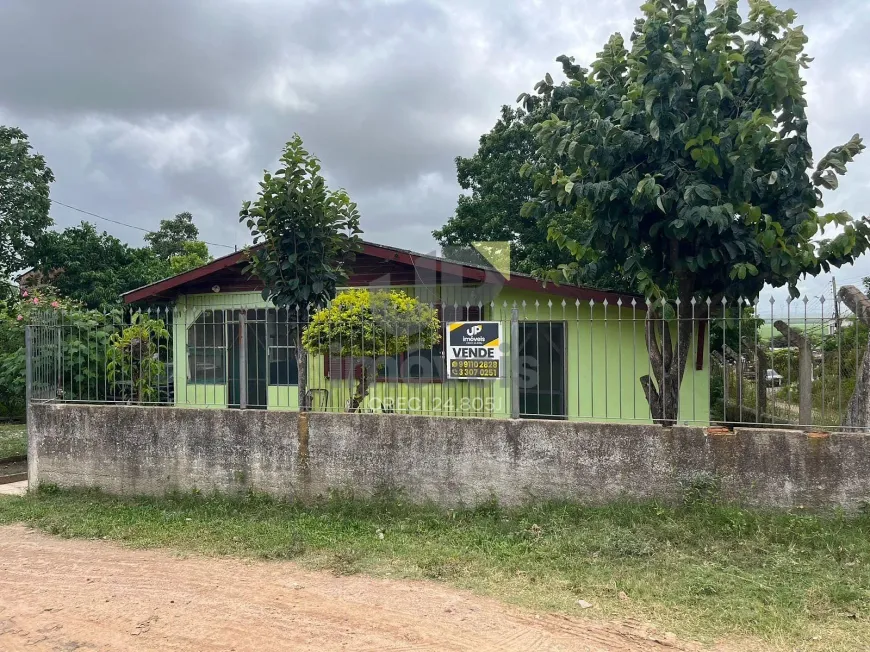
[[361, 323]]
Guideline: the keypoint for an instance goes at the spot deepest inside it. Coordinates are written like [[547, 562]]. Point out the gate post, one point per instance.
[[515, 364], [28, 366], [243, 360], [32, 453]]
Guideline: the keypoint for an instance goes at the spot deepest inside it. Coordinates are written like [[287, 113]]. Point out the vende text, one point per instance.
[[473, 352]]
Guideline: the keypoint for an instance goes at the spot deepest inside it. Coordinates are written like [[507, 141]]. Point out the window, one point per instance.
[[207, 349], [281, 338]]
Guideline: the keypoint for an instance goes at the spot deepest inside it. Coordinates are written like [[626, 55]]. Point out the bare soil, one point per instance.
[[68, 595]]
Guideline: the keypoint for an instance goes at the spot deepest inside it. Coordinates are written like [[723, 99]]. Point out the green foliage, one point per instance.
[[701, 490], [786, 363], [24, 199], [309, 234], [366, 325], [690, 156], [170, 238], [361, 323], [136, 357], [192, 255], [94, 268], [492, 209], [75, 338], [739, 327]]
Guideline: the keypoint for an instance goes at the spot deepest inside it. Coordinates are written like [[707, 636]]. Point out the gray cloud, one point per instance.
[[147, 108]]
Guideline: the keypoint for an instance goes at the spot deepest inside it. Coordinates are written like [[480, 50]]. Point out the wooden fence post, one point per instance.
[[805, 370], [858, 411], [761, 363]]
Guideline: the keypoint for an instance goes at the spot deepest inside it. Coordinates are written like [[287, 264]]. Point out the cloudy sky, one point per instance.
[[146, 108]]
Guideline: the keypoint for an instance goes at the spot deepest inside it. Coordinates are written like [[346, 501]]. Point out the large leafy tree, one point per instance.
[[689, 155], [307, 235], [170, 238], [490, 210], [176, 242], [193, 254], [24, 199], [93, 268]]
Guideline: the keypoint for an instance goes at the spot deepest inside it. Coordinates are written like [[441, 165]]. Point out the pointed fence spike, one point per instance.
[[591, 303], [709, 302], [772, 300], [806, 299], [619, 302], [677, 302], [633, 302], [564, 303], [605, 302], [550, 303], [577, 303], [693, 301], [822, 299]]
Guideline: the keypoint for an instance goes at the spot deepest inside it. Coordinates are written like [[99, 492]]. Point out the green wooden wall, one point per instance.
[[605, 351]]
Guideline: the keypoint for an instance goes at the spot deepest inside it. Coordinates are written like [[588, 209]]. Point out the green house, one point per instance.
[[565, 352]]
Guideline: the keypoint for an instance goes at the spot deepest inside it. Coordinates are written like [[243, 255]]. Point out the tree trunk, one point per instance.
[[302, 371], [367, 373], [667, 359]]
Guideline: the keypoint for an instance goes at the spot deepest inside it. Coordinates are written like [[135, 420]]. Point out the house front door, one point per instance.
[[247, 380]]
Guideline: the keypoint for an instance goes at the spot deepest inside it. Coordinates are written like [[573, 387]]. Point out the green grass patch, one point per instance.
[[13, 440], [703, 571]]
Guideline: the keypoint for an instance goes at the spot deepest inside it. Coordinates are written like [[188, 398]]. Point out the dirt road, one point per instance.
[[91, 595]]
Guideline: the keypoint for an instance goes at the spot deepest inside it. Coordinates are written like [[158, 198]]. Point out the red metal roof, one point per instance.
[[175, 284]]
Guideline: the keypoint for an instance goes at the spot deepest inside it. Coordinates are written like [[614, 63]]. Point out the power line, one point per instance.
[[131, 226]]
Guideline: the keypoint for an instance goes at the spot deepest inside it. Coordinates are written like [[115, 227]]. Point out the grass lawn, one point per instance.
[[13, 440], [702, 571]]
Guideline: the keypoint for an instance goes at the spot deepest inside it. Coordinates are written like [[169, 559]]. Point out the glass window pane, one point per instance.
[[206, 348]]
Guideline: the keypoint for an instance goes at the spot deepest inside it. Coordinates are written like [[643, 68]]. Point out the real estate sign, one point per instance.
[[474, 349]]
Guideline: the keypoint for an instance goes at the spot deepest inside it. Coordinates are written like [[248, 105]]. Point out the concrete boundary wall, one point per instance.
[[451, 461]]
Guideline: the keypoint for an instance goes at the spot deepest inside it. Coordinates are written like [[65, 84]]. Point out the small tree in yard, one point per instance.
[[366, 325], [136, 355], [690, 156], [307, 237]]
